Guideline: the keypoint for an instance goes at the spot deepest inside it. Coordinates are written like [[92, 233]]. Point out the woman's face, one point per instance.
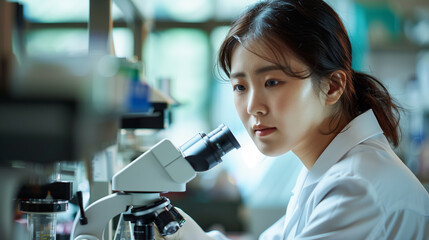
[[280, 112]]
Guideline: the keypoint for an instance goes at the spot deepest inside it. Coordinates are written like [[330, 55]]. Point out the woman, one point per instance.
[[290, 66]]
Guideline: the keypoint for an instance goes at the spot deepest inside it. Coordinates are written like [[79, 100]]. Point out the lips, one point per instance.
[[261, 130]]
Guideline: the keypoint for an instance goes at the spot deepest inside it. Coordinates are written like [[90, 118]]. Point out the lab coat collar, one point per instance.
[[358, 130]]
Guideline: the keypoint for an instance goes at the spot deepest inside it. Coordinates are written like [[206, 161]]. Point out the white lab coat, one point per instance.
[[357, 189]]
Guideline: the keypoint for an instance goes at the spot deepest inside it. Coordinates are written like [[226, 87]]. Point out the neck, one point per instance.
[[310, 149]]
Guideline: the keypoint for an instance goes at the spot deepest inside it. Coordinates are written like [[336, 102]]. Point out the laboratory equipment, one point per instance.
[[59, 110], [56, 109], [42, 204], [137, 187]]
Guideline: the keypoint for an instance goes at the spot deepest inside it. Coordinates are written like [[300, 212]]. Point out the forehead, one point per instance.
[[254, 54], [242, 56]]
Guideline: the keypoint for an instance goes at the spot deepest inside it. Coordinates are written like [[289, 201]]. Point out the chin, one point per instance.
[[270, 152]]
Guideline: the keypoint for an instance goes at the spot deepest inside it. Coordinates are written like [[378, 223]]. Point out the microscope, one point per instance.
[[137, 187]]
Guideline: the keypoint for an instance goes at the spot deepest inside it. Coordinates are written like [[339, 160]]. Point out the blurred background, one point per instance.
[[177, 45]]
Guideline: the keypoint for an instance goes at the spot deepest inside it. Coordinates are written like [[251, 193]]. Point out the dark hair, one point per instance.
[[313, 32]]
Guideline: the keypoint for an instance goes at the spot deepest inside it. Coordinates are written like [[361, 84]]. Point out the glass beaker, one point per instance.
[[42, 226]]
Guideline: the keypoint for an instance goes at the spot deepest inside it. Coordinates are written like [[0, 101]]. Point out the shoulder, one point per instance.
[[374, 166], [354, 172], [372, 159]]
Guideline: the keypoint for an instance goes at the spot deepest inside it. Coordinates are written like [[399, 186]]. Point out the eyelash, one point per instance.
[[268, 83], [235, 88]]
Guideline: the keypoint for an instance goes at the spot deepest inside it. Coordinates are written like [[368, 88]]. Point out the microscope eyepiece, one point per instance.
[[206, 151]]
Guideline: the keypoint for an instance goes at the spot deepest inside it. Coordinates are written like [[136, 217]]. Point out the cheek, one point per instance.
[[298, 106], [299, 98], [287, 103], [241, 107], [306, 94]]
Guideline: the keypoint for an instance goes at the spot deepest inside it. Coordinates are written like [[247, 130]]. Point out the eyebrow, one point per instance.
[[259, 71]]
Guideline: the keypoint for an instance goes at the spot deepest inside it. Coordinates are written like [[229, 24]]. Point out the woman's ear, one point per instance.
[[336, 83]]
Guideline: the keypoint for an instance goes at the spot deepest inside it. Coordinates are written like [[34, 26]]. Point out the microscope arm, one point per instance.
[[103, 210], [99, 214]]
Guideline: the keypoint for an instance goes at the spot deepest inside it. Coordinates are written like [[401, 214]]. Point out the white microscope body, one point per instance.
[[163, 168]]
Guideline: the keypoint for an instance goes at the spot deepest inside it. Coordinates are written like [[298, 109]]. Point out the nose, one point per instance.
[[256, 104]]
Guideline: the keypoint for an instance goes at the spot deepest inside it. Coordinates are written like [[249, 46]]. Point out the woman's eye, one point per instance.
[[239, 88], [271, 83]]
